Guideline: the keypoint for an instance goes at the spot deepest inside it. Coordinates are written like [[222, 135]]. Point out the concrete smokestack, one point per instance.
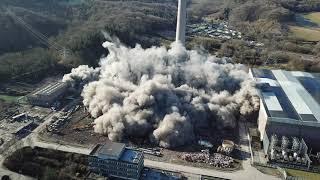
[[181, 22]]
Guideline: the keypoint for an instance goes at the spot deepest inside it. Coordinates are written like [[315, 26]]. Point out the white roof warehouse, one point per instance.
[[289, 105]]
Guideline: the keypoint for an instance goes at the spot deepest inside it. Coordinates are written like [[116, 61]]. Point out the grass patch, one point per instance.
[[269, 171], [314, 17], [9, 99], [303, 174], [308, 34], [47, 164]]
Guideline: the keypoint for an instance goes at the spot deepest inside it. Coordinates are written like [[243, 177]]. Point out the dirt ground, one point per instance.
[[69, 135], [72, 133]]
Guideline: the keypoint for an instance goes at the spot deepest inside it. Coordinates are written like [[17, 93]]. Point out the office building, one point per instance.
[[115, 160]]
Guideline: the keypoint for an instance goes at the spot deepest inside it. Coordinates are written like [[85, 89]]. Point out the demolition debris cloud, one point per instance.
[[82, 74], [163, 94]]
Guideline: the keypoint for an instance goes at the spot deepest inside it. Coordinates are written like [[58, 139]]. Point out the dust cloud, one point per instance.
[[163, 94]]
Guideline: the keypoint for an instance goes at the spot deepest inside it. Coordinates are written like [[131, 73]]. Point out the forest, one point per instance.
[[77, 26]]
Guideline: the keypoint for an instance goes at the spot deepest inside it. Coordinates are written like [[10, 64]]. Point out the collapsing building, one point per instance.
[[115, 160], [289, 105], [47, 95]]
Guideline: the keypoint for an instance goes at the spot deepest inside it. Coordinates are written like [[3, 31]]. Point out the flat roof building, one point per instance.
[[289, 104], [47, 95], [115, 160], [110, 151]]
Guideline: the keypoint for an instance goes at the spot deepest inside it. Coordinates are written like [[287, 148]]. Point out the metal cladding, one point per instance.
[[181, 22], [48, 94], [290, 105]]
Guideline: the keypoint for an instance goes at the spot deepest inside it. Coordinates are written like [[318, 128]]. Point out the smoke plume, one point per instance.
[[164, 94], [82, 74]]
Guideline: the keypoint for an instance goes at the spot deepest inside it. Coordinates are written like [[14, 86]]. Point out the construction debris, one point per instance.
[[221, 161], [151, 151], [226, 147], [82, 127], [57, 122], [202, 157], [216, 160]]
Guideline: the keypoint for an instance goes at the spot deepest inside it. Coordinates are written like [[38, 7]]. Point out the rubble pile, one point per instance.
[[216, 160], [202, 157], [225, 150], [226, 147], [221, 161]]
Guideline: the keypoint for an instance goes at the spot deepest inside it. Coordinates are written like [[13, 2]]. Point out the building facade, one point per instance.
[[115, 160], [289, 105]]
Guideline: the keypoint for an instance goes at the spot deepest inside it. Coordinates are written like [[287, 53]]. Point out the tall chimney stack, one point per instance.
[[181, 22]]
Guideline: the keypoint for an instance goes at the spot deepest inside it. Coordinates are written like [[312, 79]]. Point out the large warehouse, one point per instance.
[[289, 105], [48, 94]]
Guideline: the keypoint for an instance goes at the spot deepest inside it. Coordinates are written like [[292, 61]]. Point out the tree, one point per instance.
[[5, 177], [50, 174]]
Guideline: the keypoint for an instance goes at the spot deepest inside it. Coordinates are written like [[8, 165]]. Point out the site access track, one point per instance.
[[247, 173]]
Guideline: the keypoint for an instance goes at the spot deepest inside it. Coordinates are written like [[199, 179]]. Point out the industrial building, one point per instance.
[[25, 130], [47, 95], [289, 105], [115, 160], [288, 151]]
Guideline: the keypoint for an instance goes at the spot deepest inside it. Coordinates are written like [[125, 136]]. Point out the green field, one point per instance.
[[303, 174], [303, 30], [9, 99], [305, 33], [313, 17]]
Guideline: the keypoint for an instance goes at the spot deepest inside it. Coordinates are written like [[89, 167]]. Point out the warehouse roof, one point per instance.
[[49, 89], [109, 150], [117, 151], [292, 97], [131, 156]]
